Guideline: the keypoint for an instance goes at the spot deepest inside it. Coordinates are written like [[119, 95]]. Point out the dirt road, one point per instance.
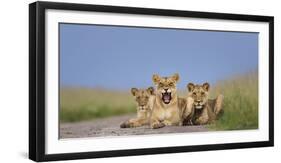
[[110, 127]]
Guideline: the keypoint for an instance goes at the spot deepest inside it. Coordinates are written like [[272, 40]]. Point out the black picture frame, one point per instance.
[[37, 80]]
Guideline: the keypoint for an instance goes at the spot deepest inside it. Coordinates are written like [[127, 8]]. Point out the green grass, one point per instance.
[[79, 104], [240, 102]]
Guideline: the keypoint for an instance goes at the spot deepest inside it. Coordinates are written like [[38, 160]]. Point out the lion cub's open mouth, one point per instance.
[[166, 97]]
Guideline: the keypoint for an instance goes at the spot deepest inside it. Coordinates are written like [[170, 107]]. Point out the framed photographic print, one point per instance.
[[118, 81]]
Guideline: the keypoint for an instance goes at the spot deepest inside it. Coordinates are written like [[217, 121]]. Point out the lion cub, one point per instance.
[[166, 108], [143, 98], [203, 110]]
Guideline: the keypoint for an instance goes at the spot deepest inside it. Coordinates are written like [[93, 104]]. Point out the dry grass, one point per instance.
[[240, 102], [78, 104]]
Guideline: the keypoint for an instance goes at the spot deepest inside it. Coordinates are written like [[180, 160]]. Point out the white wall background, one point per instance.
[[14, 79]]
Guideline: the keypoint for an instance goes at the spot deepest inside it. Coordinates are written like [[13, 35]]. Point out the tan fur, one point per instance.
[[167, 105], [187, 111], [203, 110], [144, 98]]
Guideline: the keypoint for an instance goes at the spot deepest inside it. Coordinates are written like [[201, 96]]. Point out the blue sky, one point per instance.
[[123, 57]]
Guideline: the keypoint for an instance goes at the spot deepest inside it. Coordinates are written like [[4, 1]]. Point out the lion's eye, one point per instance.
[[171, 84], [202, 93], [161, 84], [138, 98], [194, 94]]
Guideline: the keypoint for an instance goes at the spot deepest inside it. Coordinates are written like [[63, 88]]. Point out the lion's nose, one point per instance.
[[165, 90]]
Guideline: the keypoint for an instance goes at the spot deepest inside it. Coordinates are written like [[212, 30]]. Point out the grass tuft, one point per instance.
[[240, 103]]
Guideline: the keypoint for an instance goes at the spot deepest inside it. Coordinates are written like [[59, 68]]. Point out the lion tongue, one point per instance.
[[166, 97]]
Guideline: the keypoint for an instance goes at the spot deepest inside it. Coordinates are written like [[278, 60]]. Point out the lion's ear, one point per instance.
[[190, 87], [206, 86], [150, 90], [176, 77], [156, 78], [134, 91]]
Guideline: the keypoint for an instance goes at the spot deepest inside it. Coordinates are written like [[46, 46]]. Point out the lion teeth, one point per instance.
[[198, 107]]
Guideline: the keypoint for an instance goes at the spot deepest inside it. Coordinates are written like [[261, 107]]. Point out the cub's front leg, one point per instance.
[[167, 123], [203, 119], [188, 111], [135, 122], [218, 105], [155, 123]]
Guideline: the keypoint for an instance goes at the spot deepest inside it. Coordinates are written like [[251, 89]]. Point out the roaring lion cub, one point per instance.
[[204, 110], [167, 105], [143, 98]]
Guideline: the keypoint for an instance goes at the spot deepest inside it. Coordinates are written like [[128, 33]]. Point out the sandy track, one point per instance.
[[110, 127]]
